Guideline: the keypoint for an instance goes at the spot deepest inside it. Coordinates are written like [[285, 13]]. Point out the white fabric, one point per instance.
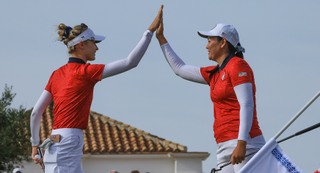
[[132, 60], [86, 35], [271, 158], [225, 149], [46, 144], [245, 98], [16, 170], [65, 156], [35, 118], [187, 72], [235, 168]]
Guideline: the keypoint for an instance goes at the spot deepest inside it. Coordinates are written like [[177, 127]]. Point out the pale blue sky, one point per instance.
[[280, 37]]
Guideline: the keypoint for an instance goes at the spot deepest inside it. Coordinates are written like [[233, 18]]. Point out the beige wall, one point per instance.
[[153, 163], [127, 165]]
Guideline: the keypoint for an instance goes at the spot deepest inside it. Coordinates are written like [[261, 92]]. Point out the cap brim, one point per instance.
[[99, 38], [205, 34]]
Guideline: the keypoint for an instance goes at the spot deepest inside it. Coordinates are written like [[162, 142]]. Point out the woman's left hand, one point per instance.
[[155, 24], [33, 154], [239, 152]]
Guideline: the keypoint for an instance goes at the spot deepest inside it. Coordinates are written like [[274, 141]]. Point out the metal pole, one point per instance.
[[301, 132], [297, 115]]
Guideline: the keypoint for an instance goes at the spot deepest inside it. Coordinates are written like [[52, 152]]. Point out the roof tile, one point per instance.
[[105, 135]]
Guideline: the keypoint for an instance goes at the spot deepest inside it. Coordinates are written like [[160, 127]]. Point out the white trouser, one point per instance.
[[65, 156], [225, 150]]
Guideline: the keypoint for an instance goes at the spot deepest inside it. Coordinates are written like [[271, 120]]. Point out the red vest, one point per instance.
[[72, 89], [226, 106]]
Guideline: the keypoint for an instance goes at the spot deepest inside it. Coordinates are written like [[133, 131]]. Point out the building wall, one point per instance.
[[188, 165], [152, 163], [127, 165]]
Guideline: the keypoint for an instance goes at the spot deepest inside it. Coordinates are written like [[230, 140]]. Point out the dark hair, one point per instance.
[[232, 49]]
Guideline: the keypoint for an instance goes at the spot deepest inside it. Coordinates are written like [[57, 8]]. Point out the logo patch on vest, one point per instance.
[[222, 77], [242, 74]]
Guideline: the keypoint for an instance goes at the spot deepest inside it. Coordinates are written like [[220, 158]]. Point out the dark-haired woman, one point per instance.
[[71, 89], [232, 91]]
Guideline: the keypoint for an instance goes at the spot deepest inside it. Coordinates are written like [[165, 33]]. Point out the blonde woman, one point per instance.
[[71, 89]]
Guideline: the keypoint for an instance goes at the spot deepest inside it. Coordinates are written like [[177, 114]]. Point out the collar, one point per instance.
[[76, 60], [225, 61]]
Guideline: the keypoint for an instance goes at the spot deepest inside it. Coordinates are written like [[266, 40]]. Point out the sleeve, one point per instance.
[[94, 72], [187, 72], [245, 98], [36, 114], [48, 87], [205, 74], [240, 72], [131, 61]]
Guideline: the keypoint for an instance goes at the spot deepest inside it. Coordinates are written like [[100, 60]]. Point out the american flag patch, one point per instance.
[[224, 74], [224, 34], [242, 74]]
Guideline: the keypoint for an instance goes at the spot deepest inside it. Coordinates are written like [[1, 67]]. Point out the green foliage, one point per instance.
[[14, 133]]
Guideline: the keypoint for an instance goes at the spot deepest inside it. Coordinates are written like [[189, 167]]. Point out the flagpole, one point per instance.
[[297, 115], [300, 132]]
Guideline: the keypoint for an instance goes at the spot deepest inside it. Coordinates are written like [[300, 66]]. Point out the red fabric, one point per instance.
[[317, 171], [72, 89], [226, 106]]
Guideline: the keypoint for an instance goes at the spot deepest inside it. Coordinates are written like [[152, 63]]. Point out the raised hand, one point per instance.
[[162, 40], [160, 30], [155, 24]]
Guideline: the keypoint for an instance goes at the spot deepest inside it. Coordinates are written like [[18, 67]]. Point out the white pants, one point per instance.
[[225, 150], [65, 157]]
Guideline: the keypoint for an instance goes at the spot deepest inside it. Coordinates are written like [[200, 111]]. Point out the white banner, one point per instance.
[[270, 158]]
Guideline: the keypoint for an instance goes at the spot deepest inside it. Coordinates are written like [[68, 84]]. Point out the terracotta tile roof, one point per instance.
[[105, 135]]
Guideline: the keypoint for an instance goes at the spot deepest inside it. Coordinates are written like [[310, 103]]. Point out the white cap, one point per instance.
[[16, 170], [86, 35], [226, 31]]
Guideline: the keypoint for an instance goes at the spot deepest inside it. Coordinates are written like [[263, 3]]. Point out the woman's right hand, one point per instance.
[[160, 36]]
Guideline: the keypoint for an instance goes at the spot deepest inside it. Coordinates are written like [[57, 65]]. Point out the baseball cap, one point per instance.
[[226, 31], [86, 35], [17, 169]]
